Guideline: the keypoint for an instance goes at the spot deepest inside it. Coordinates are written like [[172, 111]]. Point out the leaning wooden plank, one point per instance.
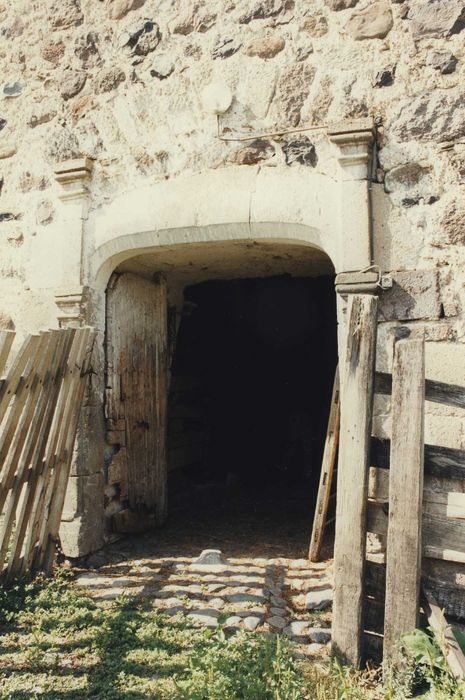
[[444, 635], [403, 559], [15, 425], [56, 449], [64, 391], [326, 475], [30, 455], [6, 341], [21, 414], [39, 463], [436, 392], [439, 461], [47, 551], [49, 534], [15, 376], [357, 374], [25, 434]]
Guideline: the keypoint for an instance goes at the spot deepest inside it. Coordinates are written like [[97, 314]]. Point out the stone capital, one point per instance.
[[74, 177], [353, 140], [72, 305], [363, 282]]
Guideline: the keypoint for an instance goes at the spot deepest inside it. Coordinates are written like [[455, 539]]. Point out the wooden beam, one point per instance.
[[444, 635], [436, 392], [357, 373], [327, 473], [439, 461], [403, 559]]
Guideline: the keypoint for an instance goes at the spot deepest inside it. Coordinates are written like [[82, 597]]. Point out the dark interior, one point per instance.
[[252, 376]]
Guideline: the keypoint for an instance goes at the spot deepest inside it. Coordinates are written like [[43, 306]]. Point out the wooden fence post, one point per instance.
[[403, 561], [357, 381]]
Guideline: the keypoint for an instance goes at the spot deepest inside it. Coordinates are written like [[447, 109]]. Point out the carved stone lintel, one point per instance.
[[74, 176], [72, 305], [354, 140]]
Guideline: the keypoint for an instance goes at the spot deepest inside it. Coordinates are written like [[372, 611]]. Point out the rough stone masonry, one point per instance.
[[119, 82]]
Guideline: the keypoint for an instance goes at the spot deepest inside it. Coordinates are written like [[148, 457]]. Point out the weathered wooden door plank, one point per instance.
[[403, 560], [357, 374], [137, 353]]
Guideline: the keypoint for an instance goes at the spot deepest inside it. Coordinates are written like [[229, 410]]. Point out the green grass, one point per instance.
[[57, 644]]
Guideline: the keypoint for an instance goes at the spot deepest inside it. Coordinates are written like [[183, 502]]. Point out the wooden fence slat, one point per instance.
[[32, 441], [357, 375], [16, 426], [403, 559], [440, 461], [9, 385], [40, 402], [327, 472], [34, 456], [64, 394], [444, 635], [23, 438], [436, 392], [6, 341], [21, 410], [51, 523]]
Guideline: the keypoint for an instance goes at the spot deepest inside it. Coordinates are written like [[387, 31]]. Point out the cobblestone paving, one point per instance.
[[258, 593]]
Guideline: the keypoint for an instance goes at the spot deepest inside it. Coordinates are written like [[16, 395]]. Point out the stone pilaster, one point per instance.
[[73, 177], [352, 141]]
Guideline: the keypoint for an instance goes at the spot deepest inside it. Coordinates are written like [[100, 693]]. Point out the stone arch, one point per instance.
[[302, 209]]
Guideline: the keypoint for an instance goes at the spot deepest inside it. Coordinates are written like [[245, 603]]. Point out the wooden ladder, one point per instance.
[[327, 486]]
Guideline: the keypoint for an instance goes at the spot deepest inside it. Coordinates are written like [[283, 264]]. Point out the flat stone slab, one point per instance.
[[281, 612], [278, 622], [255, 612], [278, 602], [251, 623], [233, 621], [251, 598], [94, 581], [319, 635], [207, 617], [297, 628], [319, 599]]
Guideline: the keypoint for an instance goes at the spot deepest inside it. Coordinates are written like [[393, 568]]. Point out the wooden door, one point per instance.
[[136, 399]]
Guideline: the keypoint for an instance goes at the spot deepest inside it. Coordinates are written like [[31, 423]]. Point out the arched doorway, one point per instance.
[[220, 361]]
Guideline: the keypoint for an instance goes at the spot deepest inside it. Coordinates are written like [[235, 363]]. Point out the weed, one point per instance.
[[58, 644]]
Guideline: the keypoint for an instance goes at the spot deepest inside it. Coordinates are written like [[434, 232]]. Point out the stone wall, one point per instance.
[[122, 82]]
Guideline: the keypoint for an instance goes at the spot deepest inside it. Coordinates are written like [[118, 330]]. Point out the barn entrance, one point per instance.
[[250, 389], [220, 365]]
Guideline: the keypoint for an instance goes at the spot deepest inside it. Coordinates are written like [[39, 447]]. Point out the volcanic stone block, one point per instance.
[[414, 295]]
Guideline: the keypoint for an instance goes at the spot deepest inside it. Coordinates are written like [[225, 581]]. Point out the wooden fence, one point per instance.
[[377, 597], [40, 400]]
